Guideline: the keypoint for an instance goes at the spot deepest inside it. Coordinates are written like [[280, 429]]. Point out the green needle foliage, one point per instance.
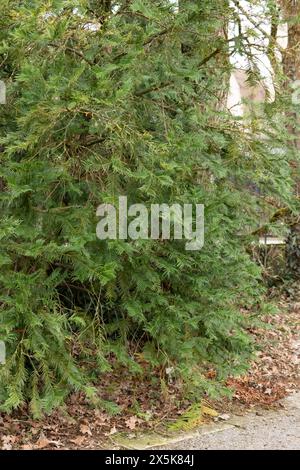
[[124, 98]]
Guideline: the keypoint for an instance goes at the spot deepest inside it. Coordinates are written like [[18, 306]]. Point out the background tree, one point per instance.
[[291, 68]]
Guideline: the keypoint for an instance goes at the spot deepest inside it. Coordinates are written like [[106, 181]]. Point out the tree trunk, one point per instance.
[[291, 65], [101, 8]]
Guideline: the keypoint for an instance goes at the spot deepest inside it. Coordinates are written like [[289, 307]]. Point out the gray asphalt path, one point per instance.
[[269, 430]]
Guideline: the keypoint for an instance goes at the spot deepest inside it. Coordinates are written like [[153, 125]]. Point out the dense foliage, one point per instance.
[[125, 98]]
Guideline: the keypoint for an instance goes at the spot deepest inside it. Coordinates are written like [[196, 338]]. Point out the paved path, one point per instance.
[[270, 430]]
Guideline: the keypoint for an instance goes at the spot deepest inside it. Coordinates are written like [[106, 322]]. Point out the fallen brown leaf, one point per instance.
[[85, 429], [78, 440], [132, 422]]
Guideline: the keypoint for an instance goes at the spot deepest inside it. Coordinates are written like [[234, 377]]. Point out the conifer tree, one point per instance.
[[124, 98]]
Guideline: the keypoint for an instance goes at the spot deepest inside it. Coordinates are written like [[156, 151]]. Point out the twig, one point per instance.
[[74, 51]]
